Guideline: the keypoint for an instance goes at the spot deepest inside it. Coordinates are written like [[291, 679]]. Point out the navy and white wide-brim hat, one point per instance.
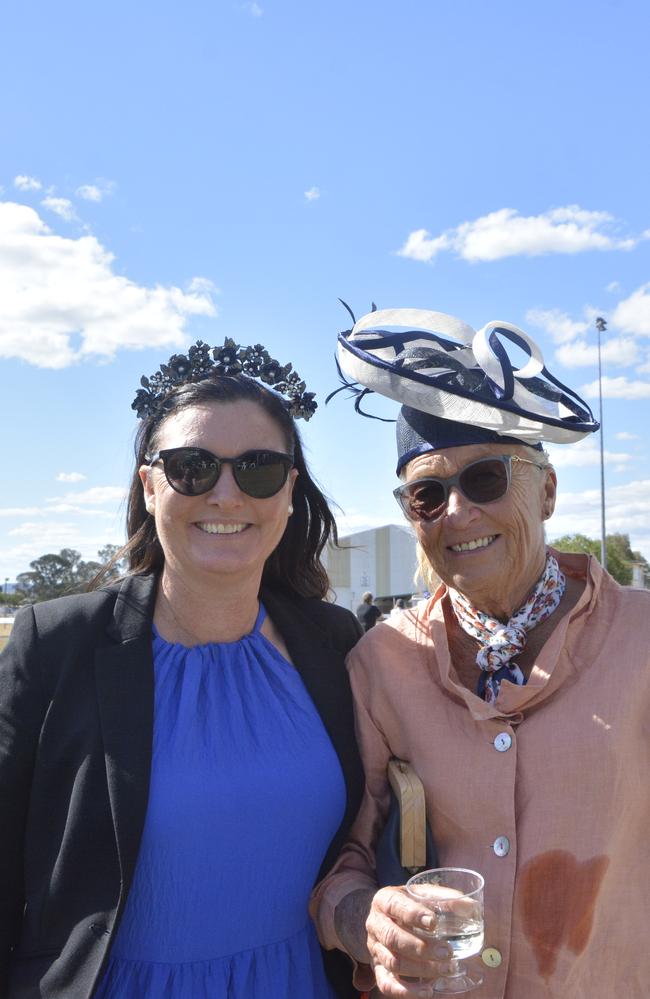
[[457, 385]]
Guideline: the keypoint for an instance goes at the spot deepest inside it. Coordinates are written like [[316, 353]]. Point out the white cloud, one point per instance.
[[76, 520], [57, 289], [89, 192], [93, 496], [618, 388], [43, 531], [80, 511], [627, 511], [506, 233], [70, 477], [37, 538], [62, 207], [97, 191], [47, 511], [313, 194], [632, 315], [421, 246], [557, 324], [202, 286], [586, 454], [613, 287], [20, 511], [86, 502], [624, 435], [253, 9], [25, 183], [619, 351]]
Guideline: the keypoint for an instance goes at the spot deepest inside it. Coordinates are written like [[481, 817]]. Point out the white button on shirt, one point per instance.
[[503, 742], [491, 957], [501, 846]]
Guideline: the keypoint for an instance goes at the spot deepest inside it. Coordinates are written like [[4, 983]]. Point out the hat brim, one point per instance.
[[474, 383]]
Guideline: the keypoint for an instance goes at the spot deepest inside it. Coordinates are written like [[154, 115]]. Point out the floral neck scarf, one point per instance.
[[500, 641]]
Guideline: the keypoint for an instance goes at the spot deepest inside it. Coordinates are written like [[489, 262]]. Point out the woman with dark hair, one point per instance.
[[177, 764]]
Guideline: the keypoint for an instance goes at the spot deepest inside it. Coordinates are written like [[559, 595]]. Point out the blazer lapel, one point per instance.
[[125, 691]]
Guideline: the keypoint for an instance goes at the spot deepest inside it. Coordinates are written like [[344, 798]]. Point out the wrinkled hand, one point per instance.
[[401, 953]]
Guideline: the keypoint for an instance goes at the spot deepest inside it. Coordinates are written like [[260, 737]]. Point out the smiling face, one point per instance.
[[224, 532], [493, 553]]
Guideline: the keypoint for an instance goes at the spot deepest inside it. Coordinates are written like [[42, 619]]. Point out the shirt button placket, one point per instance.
[[502, 743], [491, 956]]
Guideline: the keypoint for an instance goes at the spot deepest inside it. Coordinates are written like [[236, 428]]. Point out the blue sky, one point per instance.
[[220, 169]]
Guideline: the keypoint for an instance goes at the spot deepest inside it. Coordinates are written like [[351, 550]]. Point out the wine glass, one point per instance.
[[455, 896]]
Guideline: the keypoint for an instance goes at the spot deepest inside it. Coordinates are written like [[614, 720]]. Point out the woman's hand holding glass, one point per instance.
[[418, 933], [406, 958], [454, 897]]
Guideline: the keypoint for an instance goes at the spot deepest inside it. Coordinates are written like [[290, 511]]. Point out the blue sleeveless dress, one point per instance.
[[246, 795]]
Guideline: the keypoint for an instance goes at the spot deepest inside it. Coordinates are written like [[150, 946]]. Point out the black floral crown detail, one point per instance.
[[202, 362]]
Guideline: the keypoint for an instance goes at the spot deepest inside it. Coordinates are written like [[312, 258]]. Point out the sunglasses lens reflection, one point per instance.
[[484, 481], [191, 471], [481, 482], [262, 476], [425, 501]]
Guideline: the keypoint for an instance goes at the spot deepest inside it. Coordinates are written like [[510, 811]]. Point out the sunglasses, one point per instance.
[[193, 471], [482, 481]]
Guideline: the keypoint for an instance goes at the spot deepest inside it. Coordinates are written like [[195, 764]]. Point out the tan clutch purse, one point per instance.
[[406, 845]]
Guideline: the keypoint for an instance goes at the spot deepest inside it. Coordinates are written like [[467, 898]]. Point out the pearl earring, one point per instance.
[[290, 509]]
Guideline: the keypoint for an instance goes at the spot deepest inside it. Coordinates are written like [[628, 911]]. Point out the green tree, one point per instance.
[[55, 575], [50, 575], [619, 553], [106, 554], [11, 599]]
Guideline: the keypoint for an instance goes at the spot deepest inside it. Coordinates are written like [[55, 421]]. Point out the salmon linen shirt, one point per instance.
[[545, 792]]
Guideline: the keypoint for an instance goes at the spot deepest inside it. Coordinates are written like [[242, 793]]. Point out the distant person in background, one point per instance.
[[177, 755], [368, 612], [396, 610]]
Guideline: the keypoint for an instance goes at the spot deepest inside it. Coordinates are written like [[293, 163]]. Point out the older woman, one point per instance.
[[176, 753], [519, 692]]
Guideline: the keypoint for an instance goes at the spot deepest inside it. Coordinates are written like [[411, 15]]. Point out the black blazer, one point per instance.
[[76, 726]]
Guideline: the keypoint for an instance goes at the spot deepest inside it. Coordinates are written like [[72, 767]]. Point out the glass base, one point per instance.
[[457, 980]]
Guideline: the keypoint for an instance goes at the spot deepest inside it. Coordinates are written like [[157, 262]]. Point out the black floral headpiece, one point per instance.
[[202, 362]]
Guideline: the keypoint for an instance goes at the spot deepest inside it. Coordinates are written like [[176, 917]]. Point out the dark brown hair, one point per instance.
[[295, 565]]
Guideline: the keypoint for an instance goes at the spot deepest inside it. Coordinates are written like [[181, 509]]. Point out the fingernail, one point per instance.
[[427, 922], [441, 952]]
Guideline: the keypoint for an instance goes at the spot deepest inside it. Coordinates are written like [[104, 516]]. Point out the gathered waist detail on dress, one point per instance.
[[284, 968], [285, 939]]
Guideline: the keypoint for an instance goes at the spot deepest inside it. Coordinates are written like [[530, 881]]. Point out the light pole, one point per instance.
[[601, 326]]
